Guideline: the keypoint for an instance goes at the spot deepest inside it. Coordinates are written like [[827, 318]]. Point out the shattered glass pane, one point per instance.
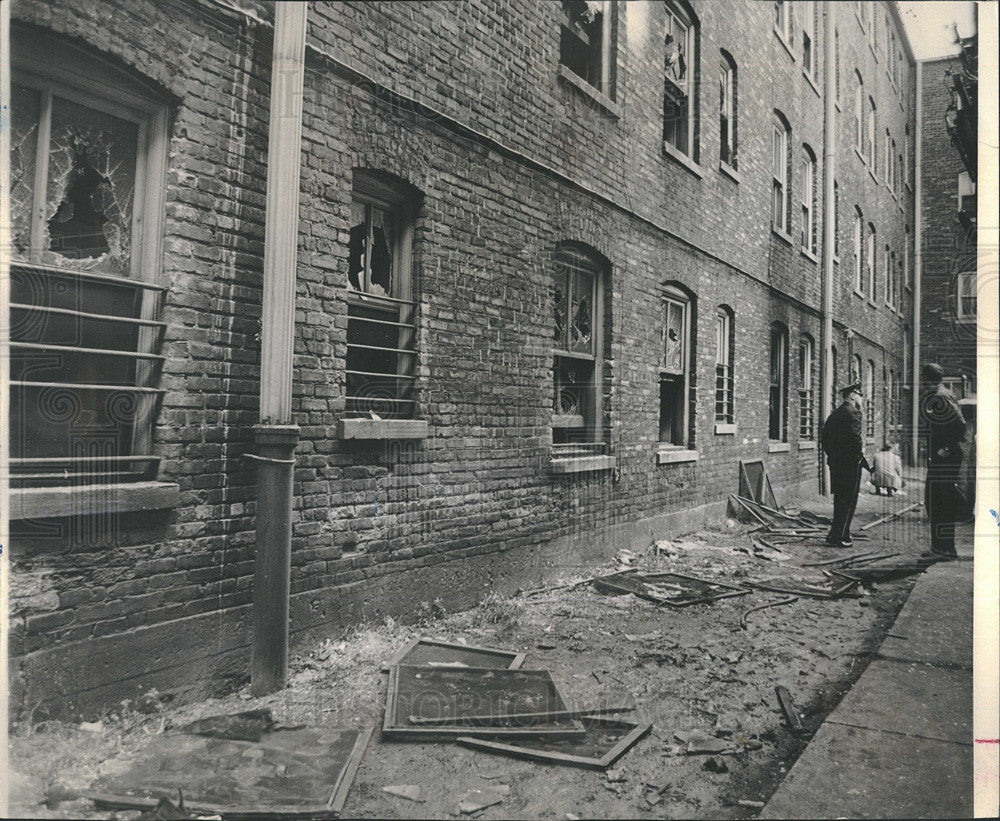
[[673, 342], [90, 190], [25, 108], [559, 305], [357, 249], [383, 233], [582, 313]]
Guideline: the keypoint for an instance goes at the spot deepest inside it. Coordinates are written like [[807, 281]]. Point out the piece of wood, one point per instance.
[[743, 618], [892, 516], [839, 560], [563, 586], [634, 733], [751, 511], [487, 721], [788, 708], [513, 660], [874, 558], [339, 795]]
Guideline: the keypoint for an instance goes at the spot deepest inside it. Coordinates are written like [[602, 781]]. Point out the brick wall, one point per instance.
[[463, 102]]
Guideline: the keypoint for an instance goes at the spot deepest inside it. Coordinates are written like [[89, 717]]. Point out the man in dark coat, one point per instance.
[[945, 434], [842, 444]]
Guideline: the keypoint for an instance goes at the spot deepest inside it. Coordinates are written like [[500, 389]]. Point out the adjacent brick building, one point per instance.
[[559, 270]]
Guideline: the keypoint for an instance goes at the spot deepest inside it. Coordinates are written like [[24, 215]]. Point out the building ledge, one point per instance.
[[368, 429], [730, 172], [807, 445], [784, 42], [582, 464], [778, 447], [725, 428], [809, 255], [603, 101], [812, 83], [683, 159], [670, 456], [782, 235], [85, 500]]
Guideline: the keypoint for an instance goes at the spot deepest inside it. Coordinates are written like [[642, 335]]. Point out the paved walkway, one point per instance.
[[900, 743]]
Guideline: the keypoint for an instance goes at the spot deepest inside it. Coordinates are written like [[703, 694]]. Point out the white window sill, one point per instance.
[[812, 83], [784, 42], [807, 445], [582, 464], [860, 155], [872, 175], [839, 109], [778, 447], [83, 500], [966, 320], [725, 429], [603, 101], [730, 172], [368, 429], [685, 161], [809, 255], [859, 294], [787, 238], [675, 455]]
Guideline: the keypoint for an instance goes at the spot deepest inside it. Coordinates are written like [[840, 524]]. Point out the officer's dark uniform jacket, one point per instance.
[[945, 427], [842, 441]]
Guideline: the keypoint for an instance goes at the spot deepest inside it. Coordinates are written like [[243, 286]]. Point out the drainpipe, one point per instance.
[[918, 264], [275, 436], [4, 401], [829, 228]]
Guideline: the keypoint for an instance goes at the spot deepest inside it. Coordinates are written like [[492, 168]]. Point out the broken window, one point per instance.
[[727, 111], [723, 365], [585, 41], [577, 423], [381, 340], [674, 370], [871, 260], [808, 237], [779, 173], [84, 309], [859, 264], [777, 429], [806, 403], [678, 68]]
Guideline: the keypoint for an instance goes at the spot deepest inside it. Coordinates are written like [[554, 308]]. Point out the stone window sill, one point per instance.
[[685, 161], [778, 447], [83, 500], [812, 83], [860, 155], [809, 255], [730, 172], [671, 456], [374, 429], [784, 42], [785, 237], [807, 445], [582, 464], [872, 175], [603, 101], [725, 429]]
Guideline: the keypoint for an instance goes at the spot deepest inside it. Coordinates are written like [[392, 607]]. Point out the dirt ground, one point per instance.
[[682, 669]]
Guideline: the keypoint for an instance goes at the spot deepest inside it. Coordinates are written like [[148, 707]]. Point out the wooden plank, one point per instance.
[[338, 796], [515, 660], [892, 516], [788, 708], [382, 428], [490, 720], [57, 502]]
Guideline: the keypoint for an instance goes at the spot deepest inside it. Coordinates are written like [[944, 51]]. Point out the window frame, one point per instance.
[[871, 260], [780, 186], [675, 12], [872, 139], [887, 266], [859, 115], [808, 202], [728, 111], [81, 77], [859, 251], [869, 394], [780, 333], [810, 55], [672, 294], [966, 288], [724, 375], [783, 21], [606, 83], [807, 409]]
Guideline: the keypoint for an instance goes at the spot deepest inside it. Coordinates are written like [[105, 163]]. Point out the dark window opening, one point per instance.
[[581, 40], [672, 398]]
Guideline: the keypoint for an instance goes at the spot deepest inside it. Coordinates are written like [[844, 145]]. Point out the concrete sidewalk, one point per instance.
[[899, 745]]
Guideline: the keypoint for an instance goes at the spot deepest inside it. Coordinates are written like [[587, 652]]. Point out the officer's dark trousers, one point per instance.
[[845, 483], [942, 505]]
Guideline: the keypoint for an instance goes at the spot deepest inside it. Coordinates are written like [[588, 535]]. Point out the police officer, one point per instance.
[[842, 445], [945, 433]]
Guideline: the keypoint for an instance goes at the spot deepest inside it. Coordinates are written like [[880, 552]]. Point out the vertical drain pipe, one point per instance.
[[918, 264], [275, 436], [829, 227]]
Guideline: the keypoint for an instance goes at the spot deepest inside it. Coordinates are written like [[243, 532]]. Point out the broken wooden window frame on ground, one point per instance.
[[609, 584], [758, 490], [513, 661], [396, 726], [634, 732]]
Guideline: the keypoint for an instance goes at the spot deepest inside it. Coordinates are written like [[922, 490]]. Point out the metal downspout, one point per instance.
[[829, 227], [918, 265]]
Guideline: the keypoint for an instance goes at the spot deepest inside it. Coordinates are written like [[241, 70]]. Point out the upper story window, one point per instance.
[[777, 425], [675, 368], [871, 260], [679, 56], [872, 32], [965, 296], [907, 273], [836, 65], [381, 313], [724, 344], [836, 219], [809, 49], [808, 237], [859, 263], [887, 272], [869, 394], [871, 147], [859, 114], [578, 351], [88, 158], [585, 46], [781, 191], [807, 421], [966, 194], [727, 111], [783, 20]]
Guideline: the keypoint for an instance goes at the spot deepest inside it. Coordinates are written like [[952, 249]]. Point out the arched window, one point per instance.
[[88, 157], [675, 369], [807, 426], [870, 260], [855, 376], [783, 20], [679, 69], [869, 388], [832, 378], [381, 322], [781, 190], [965, 297], [907, 273], [887, 275], [777, 426], [859, 113], [808, 237], [859, 264], [727, 111], [578, 351], [871, 148], [724, 344]]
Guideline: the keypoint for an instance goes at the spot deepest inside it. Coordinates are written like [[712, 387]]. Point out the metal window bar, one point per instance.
[[48, 309], [806, 415], [404, 351], [69, 460], [723, 394], [94, 351], [86, 387], [94, 276]]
